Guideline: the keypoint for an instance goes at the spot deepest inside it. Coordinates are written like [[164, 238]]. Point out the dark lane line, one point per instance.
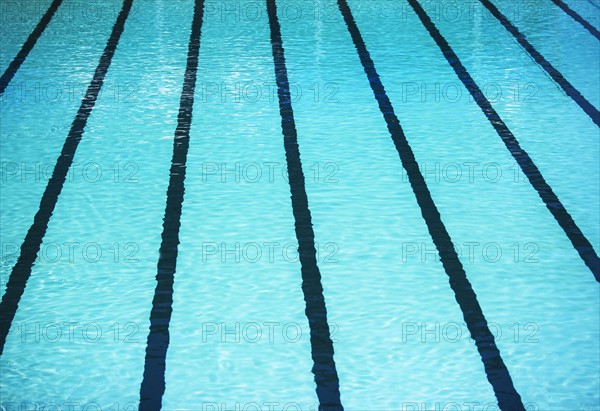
[[575, 16], [28, 46], [31, 245], [593, 4], [496, 371], [153, 386], [556, 75], [324, 369], [558, 210]]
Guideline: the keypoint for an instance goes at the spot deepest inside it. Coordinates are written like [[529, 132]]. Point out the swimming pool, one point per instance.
[[285, 205]]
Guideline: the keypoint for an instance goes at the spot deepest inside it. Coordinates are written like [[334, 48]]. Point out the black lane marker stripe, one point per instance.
[[31, 245], [496, 371], [558, 210], [567, 87], [153, 383], [324, 369], [575, 16], [28, 46], [593, 4]]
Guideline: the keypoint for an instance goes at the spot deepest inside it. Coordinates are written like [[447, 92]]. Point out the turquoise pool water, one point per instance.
[[77, 337]]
